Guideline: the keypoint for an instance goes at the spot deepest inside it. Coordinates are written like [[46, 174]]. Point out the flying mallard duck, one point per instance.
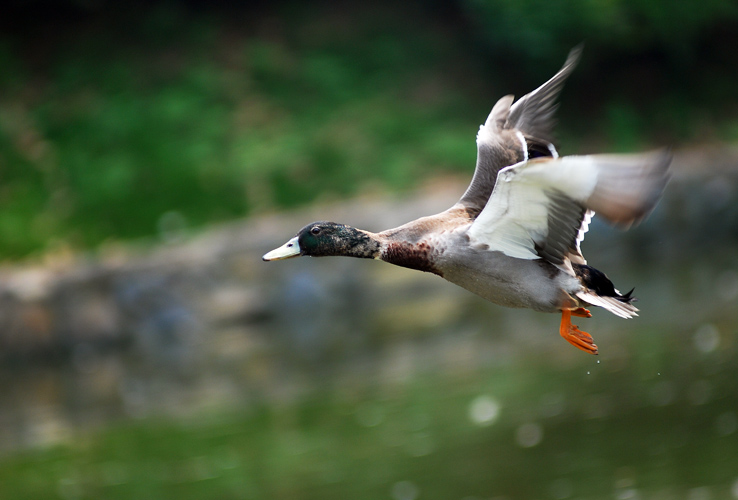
[[514, 236]]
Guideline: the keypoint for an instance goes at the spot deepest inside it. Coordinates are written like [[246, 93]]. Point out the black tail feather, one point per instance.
[[627, 298], [599, 283]]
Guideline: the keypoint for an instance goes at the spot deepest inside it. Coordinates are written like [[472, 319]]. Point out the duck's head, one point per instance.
[[322, 239]]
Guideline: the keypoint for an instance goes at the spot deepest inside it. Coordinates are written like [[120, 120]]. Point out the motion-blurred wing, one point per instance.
[[540, 208]]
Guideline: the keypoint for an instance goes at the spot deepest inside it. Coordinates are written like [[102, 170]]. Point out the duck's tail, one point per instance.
[[599, 291]]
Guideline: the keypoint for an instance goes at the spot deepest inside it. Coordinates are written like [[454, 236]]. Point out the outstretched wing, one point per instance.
[[533, 114], [515, 132], [538, 207]]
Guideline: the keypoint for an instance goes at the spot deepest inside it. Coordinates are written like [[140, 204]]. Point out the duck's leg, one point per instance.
[[574, 335]]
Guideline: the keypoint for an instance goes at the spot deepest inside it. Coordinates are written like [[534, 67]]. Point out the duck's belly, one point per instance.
[[511, 282]]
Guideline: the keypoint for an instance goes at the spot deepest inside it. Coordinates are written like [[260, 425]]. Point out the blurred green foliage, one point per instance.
[[115, 119], [211, 123]]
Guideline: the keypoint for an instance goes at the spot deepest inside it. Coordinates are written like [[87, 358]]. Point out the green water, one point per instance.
[[657, 417]]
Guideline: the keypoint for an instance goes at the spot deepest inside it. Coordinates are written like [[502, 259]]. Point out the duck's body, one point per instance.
[[513, 237], [440, 244]]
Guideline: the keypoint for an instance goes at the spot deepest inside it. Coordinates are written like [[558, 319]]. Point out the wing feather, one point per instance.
[[542, 208], [533, 114], [512, 130]]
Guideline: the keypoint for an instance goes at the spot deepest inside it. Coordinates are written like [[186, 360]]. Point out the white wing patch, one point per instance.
[[523, 144], [494, 121], [484, 134], [579, 258], [517, 213]]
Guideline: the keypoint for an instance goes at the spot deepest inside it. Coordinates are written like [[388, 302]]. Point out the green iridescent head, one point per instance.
[[322, 239]]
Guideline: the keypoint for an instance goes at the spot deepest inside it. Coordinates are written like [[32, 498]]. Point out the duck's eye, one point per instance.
[[315, 230]]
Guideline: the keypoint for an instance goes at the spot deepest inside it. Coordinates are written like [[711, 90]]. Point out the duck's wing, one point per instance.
[[539, 209], [514, 133], [533, 114]]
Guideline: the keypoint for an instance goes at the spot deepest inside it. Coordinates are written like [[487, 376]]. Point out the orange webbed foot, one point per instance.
[[573, 335], [581, 312]]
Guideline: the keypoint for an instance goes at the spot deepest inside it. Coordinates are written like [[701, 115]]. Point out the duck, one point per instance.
[[514, 237]]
